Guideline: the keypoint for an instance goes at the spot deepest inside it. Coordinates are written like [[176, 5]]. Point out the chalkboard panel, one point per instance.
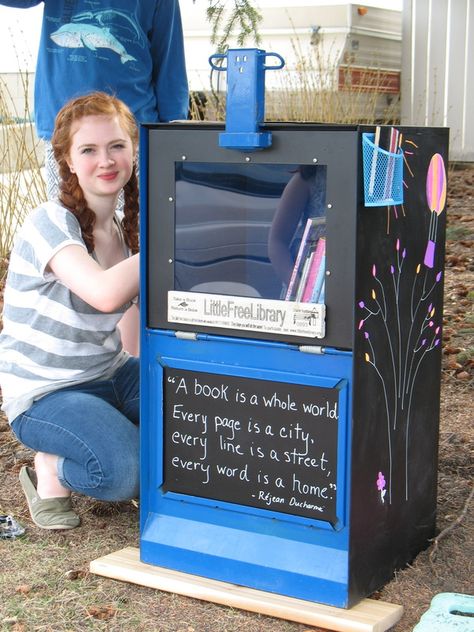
[[258, 443]]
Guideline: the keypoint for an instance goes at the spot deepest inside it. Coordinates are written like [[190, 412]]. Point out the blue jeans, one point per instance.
[[93, 428]]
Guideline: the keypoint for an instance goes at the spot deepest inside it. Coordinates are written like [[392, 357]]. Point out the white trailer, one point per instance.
[[342, 60]]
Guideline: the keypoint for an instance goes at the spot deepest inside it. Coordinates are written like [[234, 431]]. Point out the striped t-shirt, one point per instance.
[[51, 338]]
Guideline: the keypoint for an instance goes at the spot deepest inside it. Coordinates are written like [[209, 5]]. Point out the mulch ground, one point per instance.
[[445, 566]]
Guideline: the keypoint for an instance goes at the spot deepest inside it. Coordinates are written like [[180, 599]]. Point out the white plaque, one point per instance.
[[249, 314]]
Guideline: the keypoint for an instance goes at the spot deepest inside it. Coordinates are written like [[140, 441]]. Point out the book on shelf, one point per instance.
[[304, 275], [322, 293], [314, 271], [314, 228], [317, 293]]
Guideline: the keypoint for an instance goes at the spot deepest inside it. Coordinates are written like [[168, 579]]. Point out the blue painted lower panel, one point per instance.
[[215, 536], [262, 561]]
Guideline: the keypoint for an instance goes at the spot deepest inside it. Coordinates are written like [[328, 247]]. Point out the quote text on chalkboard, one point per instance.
[[258, 443]]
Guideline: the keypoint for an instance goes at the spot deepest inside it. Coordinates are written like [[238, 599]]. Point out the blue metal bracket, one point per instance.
[[245, 107]]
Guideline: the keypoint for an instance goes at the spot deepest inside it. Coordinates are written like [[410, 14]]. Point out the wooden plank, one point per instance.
[[367, 616]]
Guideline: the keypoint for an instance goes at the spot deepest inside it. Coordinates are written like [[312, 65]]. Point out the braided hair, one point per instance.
[[71, 194]]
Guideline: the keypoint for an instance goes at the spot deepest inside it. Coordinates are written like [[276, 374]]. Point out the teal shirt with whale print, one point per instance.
[[132, 49]]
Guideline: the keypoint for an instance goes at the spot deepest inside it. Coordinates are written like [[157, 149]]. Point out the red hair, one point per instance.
[[70, 192]]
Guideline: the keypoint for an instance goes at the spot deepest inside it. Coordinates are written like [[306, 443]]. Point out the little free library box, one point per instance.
[[290, 359]]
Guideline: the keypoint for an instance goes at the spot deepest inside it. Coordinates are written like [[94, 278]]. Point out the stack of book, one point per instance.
[[307, 278]]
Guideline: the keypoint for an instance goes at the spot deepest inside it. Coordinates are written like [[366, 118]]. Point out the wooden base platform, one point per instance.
[[367, 616]]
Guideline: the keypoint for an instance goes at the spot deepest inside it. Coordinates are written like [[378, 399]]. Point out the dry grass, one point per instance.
[[311, 90], [21, 183]]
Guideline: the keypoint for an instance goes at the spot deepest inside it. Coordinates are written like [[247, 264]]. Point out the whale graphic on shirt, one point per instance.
[[92, 37]]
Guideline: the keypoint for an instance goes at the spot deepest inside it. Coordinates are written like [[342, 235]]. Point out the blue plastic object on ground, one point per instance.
[[449, 612]]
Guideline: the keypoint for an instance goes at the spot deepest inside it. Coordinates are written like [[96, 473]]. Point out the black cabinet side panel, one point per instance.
[[397, 365]]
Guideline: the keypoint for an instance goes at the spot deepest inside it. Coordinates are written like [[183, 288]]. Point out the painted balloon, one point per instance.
[[436, 184], [436, 197]]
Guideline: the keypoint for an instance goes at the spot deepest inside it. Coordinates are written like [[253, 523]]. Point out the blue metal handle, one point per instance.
[[278, 66], [217, 56], [265, 67]]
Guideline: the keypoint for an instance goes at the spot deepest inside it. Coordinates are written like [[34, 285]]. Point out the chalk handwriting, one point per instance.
[[269, 445]]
